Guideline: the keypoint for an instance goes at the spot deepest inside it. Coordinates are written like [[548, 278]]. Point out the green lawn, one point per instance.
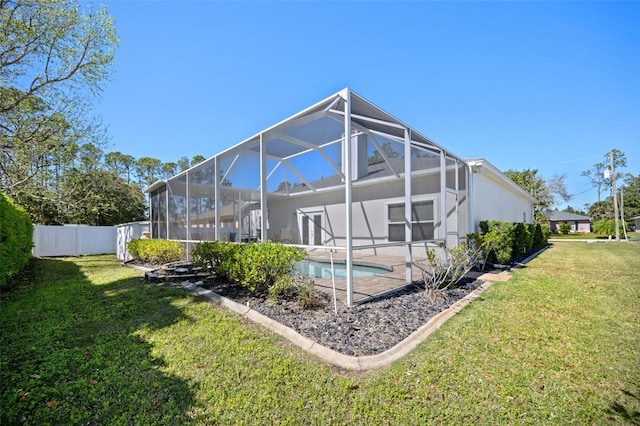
[[85, 340], [578, 236]]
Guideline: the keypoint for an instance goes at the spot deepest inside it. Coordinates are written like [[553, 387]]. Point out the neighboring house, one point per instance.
[[578, 222], [636, 223], [390, 191]]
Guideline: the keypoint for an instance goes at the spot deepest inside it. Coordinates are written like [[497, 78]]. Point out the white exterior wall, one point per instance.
[[73, 240], [369, 210], [494, 198]]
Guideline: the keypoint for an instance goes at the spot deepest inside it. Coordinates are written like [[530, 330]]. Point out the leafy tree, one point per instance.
[[387, 149], [51, 50], [631, 197], [570, 209], [605, 227], [183, 164], [197, 159], [53, 56], [148, 170], [284, 186], [534, 184], [169, 169], [547, 192], [32, 140], [90, 156], [601, 209], [121, 164], [97, 198]]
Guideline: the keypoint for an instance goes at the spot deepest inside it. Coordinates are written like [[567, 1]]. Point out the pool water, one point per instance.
[[317, 269]]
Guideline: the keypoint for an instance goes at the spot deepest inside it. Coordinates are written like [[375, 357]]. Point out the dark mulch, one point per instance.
[[364, 329]]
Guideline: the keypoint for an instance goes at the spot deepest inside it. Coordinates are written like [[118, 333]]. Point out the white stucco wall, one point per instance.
[[494, 197], [369, 212]]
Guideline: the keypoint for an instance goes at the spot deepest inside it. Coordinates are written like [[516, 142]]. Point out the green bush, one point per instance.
[[539, 240], [565, 228], [546, 231], [520, 239], [531, 228], [499, 236], [504, 241], [264, 267], [218, 256], [156, 252], [16, 238]]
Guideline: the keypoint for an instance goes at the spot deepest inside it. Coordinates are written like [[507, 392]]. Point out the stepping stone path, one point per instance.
[[176, 272]]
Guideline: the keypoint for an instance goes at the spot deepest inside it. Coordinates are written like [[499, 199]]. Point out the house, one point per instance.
[[389, 191], [636, 223], [579, 223]]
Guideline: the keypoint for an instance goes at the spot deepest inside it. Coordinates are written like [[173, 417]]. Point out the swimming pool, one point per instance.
[[318, 269]]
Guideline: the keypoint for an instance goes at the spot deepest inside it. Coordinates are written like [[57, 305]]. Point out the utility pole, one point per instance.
[[624, 225], [614, 192]]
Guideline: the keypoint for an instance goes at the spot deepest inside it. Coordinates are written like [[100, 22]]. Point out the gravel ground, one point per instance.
[[365, 329]]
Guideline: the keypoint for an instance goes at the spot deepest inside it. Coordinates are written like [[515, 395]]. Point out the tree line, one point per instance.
[[553, 191], [55, 56]]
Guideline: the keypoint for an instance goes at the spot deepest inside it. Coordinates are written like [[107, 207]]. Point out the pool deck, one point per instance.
[[365, 287], [368, 287]]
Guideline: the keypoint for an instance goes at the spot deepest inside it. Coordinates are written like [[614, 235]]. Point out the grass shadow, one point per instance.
[[620, 410], [72, 351]]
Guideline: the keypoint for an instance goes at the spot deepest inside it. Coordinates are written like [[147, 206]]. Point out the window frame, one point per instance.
[[401, 202]]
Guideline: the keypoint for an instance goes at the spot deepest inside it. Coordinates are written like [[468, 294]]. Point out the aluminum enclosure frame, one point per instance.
[[205, 202]]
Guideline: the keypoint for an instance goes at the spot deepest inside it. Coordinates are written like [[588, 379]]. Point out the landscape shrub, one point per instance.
[[156, 251], [16, 239], [446, 267], [218, 256], [546, 231], [520, 239], [498, 236], [264, 267], [531, 228], [565, 228], [307, 293], [539, 240]]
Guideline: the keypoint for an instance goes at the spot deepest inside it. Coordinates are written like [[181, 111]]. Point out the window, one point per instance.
[[422, 221]]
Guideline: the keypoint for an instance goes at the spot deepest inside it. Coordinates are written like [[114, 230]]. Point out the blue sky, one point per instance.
[[545, 85]]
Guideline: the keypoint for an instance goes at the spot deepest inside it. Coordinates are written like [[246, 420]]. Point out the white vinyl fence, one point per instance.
[[73, 240], [126, 233]]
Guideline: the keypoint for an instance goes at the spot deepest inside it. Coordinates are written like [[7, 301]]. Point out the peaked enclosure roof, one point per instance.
[[321, 125]]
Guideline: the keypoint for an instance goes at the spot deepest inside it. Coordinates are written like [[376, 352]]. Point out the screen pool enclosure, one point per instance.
[[384, 193]]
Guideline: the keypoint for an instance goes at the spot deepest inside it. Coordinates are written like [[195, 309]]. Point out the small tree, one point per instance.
[[446, 267]]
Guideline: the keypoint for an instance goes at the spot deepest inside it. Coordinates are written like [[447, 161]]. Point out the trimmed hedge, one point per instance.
[[156, 252], [16, 239], [506, 241]]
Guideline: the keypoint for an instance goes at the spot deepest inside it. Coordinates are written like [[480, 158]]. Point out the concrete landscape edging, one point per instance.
[[362, 363], [331, 356]]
